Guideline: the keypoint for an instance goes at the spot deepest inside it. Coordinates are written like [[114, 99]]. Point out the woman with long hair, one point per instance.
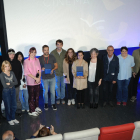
[[32, 71], [70, 57], [23, 93]]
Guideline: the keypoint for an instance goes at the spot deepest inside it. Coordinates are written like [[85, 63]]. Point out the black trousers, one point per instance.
[[81, 96], [107, 91], [134, 84], [0, 101], [70, 91]]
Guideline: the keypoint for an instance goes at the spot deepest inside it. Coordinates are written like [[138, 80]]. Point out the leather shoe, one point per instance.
[[95, 105], [91, 105], [104, 104], [83, 106]]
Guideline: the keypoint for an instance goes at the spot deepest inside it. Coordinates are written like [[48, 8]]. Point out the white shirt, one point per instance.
[[92, 72]]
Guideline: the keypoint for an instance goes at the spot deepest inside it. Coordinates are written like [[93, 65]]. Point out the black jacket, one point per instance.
[[112, 74], [99, 70], [17, 69]]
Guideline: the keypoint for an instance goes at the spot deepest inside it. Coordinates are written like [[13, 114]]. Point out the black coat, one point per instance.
[[17, 69], [112, 74], [99, 70]]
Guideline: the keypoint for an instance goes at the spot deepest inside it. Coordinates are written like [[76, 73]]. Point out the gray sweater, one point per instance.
[[8, 79]]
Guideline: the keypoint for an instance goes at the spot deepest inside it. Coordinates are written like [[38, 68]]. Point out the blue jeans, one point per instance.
[[122, 93], [49, 83], [60, 87], [23, 96], [9, 98]]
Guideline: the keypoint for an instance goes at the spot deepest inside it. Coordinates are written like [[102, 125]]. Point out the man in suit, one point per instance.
[[111, 70]]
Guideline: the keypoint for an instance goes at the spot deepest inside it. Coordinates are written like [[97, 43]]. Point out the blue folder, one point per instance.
[[48, 68], [79, 70]]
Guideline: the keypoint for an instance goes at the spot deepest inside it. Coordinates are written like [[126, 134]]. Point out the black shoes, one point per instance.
[[83, 106], [96, 105], [78, 106], [46, 106], [19, 114], [91, 105], [54, 107]]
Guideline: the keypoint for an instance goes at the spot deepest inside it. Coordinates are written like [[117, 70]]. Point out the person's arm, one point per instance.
[[36, 133], [20, 70], [74, 69], [3, 81], [101, 72], [52, 131], [85, 67], [15, 82], [55, 67], [116, 71]]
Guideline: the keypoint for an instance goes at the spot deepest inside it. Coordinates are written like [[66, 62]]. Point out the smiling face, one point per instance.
[[110, 51], [94, 55], [80, 56], [70, 53], [20, 58], [32, 54], [59, 46], [46, 51], [124, 53]]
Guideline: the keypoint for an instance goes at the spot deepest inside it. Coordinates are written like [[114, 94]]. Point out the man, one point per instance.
[[8, 135], [136, 74], [48, 79], [17, 69], [111, 70], [59, 54]]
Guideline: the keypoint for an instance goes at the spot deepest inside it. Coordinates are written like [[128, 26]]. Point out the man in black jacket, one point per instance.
[[17, 69], [111, 70]]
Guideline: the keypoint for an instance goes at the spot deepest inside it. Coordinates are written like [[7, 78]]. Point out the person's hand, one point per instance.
[[24, 86], [99, 83], [8, 84], [66, 79], [51, 72], [82, 77], [41, 126], [52, 130], [78, 77], [114, 82], [43, 69], [134, 74], [37, 80]]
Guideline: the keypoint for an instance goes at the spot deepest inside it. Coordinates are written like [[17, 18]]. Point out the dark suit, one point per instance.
[[111, 71]]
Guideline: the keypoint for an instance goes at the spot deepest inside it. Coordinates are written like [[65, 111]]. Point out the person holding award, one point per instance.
[[80, 73], [48, 65], [32, 71]]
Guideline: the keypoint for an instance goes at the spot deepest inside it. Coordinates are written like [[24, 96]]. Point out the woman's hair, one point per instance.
[[80, 52], [124, 48], [3, 65], [20, 53], [94, 50], [44, 132], [68, 59], [32, 49]]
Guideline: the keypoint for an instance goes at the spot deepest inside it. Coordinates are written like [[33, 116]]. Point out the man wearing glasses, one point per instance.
[[111, 70]]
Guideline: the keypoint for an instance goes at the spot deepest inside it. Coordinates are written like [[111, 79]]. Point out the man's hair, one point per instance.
[[124, 48], [80, 52], [59, 41], [44, 132], [110, 46], [45, 46], [9, 137]]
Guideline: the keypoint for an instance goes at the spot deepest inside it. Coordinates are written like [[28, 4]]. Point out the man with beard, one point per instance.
[[17, 69], [48, 65]]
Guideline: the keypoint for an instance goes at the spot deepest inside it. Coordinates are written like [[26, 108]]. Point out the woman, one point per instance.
[[80, 82], [23, 93], [95, 66], [32, 71], [70, 57], [9, 81], [43, 132], [126, 62]]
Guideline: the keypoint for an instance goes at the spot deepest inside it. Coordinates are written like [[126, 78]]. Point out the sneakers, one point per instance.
[[33, 114], [38, 110], [11, 122], [54, 107], [69, 102], [118, 103], [73, 102], [46, 107], [62, 101], [15, 121], [58, 101], [124, 103], [23, 110], [133, 99], [27, 110]]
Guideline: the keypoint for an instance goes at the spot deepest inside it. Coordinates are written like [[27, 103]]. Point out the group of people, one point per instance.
[[21, 78]]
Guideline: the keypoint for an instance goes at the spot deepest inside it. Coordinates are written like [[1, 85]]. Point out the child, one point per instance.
[[23, 94], [9, 81]]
